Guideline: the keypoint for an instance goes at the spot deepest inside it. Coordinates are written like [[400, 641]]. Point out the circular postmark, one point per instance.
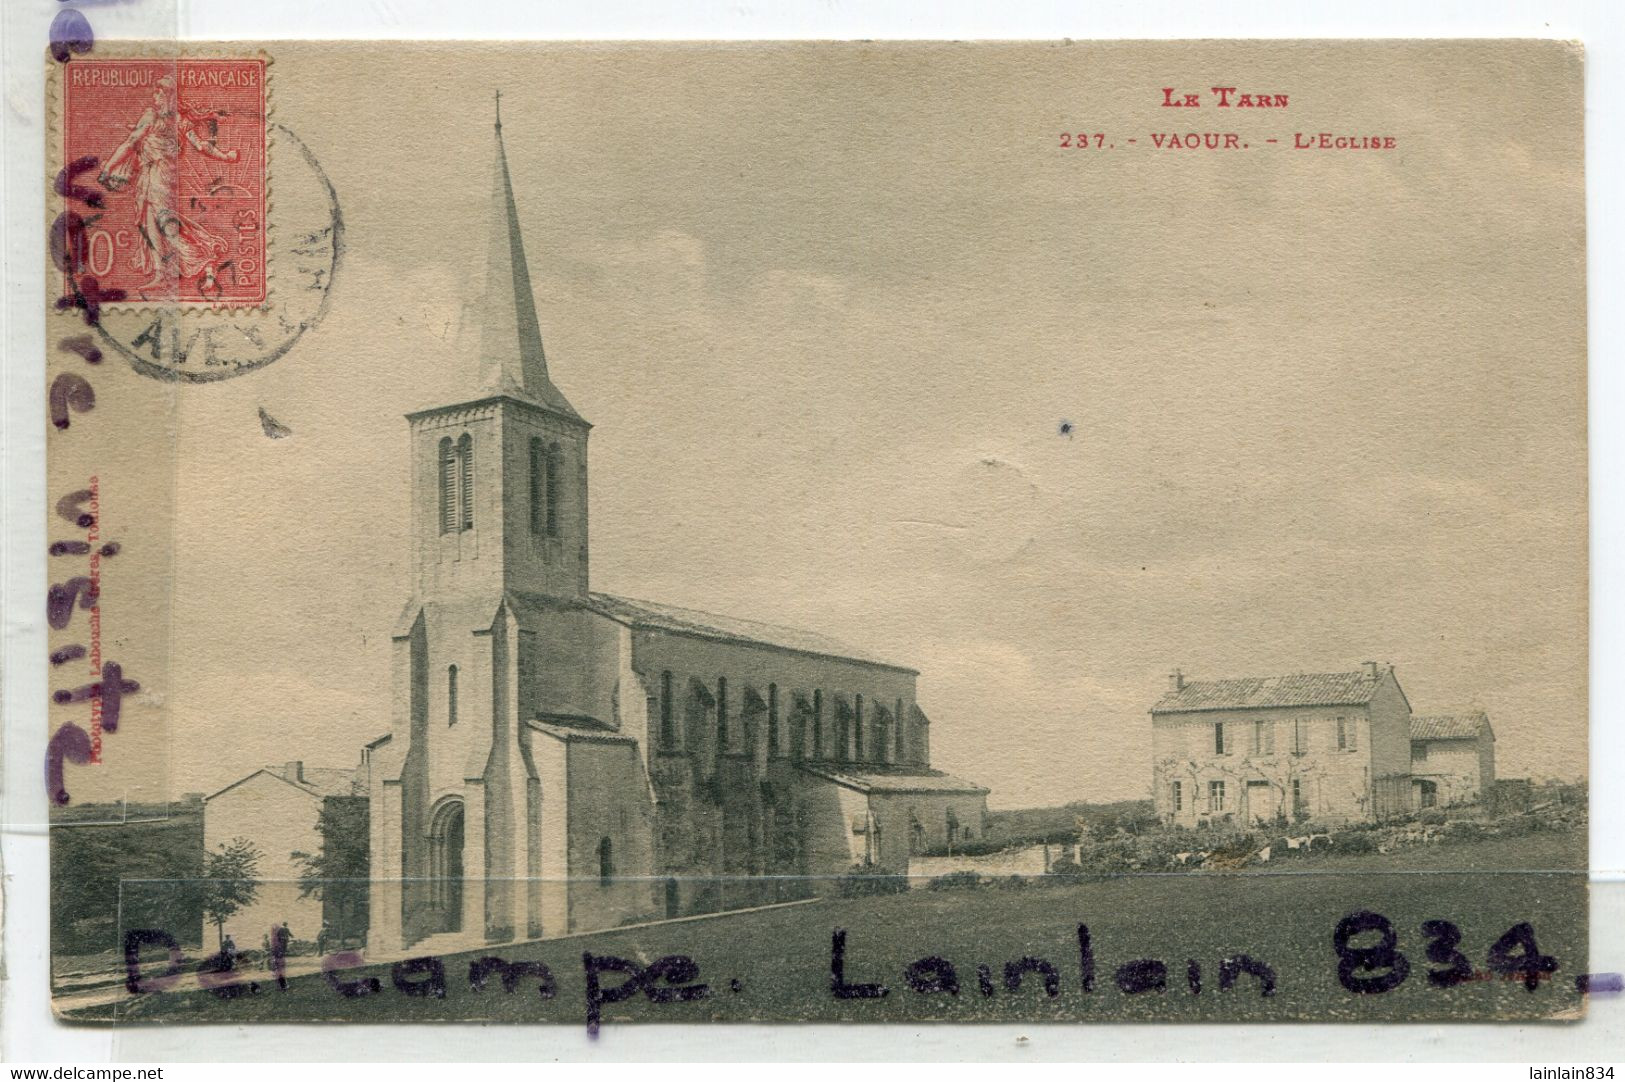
[[305, 246]]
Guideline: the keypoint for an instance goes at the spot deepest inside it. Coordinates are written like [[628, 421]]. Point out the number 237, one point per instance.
[[1081, 140]]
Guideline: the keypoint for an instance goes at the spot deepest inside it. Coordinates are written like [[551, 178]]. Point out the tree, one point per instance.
[[230, 882], [337, 874]]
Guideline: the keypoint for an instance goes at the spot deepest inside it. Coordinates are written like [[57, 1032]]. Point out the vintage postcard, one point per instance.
[[860, 532]]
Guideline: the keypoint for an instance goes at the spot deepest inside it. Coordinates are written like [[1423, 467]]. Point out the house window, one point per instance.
[[1353, 733], [606, 861], [538, 486], [1419, 752], [465, 473], [1179, 797], [1300, 737], [1260, 743], [448, 486], [722, 713], [857, 737], [554, 468], [1215, 796], [773, 720], [1218, 738], [1297, 797], [1342, 734], [451, 696], [668, 726]]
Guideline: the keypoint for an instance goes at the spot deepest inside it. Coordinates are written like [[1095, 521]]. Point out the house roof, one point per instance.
[[1295, 689], [318, 781], [895, 781], [656, 617], [1468, 726]]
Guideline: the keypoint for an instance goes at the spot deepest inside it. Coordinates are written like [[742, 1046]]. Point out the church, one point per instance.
[[561, 760]]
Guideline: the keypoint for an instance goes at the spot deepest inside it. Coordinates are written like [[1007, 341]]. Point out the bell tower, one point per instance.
[[498, 535], [499, 480]]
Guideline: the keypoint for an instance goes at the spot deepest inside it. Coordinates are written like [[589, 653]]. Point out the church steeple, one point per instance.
[[500, 475], [512, 361]]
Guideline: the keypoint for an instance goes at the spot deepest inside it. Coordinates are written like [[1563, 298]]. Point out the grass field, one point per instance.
[[781, 958]]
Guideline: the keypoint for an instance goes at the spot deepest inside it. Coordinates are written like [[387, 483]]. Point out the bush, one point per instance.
[[1013, 882], [1464, 830], [1431, 817], [957, 881], [863, 881], [1065, 869], [1358, 841]]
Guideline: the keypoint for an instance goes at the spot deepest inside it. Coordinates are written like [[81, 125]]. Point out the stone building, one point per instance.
[[561, 759], [1332, 747], [276, 809], [1452, 759]]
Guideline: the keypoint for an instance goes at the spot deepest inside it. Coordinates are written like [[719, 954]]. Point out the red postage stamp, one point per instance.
[[174, 151]]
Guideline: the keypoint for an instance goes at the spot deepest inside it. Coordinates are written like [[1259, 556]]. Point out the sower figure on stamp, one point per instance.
[[175, 247]]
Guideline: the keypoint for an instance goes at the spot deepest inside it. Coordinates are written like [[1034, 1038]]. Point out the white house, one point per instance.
[[276, 809]]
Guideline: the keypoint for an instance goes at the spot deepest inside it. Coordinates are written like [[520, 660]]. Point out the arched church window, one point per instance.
[[448, 486], [773, 719], [555, 466], [538, 486], [722, 714], [897, 722], [668, 727], [465, 473], [857, 732], [818, 723], [451, 696], [606, 861]]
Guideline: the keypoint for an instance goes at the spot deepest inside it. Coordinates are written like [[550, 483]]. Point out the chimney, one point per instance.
[[1176, 682], [1372, 671], [294, 771]]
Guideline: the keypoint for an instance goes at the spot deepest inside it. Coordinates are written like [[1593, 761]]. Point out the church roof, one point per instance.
[[1468, 726], [589, 730], [500, 308], [896, 781], [656, 617], [1253, 692]]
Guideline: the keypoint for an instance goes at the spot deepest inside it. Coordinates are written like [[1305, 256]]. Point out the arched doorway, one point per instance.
[[446, 865]]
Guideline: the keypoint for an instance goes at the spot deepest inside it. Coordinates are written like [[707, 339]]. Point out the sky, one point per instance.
[[867, 352]]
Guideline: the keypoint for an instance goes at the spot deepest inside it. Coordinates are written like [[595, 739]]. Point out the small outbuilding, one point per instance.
[[1452, 759]]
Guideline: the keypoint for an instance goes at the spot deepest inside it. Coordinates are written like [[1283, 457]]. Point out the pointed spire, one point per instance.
[[512, 361]]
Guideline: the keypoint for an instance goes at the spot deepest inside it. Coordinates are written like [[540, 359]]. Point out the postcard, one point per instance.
[[861, 532]]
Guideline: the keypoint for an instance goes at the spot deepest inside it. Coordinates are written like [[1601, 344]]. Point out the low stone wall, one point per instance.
[[1028, 861]]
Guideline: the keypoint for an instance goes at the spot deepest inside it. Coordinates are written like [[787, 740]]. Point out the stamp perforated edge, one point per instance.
[[55, 161]]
